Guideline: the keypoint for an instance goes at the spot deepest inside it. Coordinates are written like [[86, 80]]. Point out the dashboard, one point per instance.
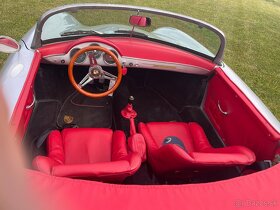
[[131, 54]]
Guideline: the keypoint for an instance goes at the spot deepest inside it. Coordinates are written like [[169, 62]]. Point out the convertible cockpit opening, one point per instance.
[[132, 111], [73, 135]]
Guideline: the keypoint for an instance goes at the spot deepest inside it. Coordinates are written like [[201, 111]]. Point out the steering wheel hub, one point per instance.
[[96, 72]]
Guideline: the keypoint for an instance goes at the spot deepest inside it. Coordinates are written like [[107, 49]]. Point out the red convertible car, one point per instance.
[[123, 107]]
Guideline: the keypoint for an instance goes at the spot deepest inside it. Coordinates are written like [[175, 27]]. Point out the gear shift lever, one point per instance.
[[136, 142], [129, 113]]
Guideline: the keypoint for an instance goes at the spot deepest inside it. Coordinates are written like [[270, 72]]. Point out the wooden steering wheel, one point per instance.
[[95, 72]]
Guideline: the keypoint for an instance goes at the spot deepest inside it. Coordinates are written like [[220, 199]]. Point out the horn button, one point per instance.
[[96, 72]]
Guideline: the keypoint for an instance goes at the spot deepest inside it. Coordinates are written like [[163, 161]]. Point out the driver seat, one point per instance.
[[92, 153]]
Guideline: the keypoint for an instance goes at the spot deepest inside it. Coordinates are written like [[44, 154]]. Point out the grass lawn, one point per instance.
[[252, 28]]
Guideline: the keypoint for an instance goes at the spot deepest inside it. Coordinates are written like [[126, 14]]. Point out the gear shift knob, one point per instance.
[[131, 100], [129, 113]]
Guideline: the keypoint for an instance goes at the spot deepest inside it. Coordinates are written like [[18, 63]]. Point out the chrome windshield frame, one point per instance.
[[37, 42]]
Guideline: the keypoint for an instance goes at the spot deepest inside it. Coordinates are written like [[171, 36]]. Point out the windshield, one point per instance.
[[186, 35]]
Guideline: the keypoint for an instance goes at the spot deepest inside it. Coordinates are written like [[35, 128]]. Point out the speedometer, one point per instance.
[[96, 53], [81, 58], [108, 59]]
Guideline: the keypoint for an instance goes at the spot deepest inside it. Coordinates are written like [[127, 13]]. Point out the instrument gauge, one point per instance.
[[81, 58], [96, 53], [108, 59]]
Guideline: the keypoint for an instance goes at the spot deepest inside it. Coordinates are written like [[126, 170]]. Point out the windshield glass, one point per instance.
[[106, 22]]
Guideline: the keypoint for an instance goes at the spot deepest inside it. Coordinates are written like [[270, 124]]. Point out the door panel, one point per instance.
[[236, 120]]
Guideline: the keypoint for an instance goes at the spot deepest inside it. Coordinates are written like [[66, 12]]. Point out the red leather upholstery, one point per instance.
[[199, 153], [96, 153]]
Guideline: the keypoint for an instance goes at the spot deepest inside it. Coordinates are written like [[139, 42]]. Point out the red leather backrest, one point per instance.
[[160, 130], [81, 145], [119, 150], [55, 147], [200, 140]]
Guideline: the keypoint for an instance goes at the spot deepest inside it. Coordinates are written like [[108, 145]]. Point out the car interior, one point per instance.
[[133, 111], [157, 127]]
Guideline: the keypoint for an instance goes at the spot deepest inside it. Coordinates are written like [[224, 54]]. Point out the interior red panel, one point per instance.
[[243, 125], [137, 48], [62, 193]]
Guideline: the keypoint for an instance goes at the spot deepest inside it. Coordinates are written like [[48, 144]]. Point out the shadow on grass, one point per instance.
[[275, 2]]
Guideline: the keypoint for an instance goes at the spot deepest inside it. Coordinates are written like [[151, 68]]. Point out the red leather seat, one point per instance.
[[94, 153], [198, 152]]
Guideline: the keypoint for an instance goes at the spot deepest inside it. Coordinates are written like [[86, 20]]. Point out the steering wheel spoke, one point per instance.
[[87, 79], [84, 79], [107, 75]]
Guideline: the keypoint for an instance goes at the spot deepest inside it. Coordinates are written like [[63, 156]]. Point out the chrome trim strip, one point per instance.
[[140, 63], [54, 55], [163, 65], [260, 106], [73, 7]]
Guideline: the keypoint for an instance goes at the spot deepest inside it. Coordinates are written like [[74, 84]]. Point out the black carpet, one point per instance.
[[85, 112], [148, 104], [43, 118], [151, 107], [144, 176]]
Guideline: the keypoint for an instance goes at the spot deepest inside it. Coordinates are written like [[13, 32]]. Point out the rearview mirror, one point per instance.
[[141, 21], [8, 45]]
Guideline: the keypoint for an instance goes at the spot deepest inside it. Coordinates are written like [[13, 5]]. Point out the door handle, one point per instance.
[[32, 104], [220, 109]]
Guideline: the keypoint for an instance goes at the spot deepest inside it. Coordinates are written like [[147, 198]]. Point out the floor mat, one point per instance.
[[85, 112], [151, 107], [143, 176], [43, 118]]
